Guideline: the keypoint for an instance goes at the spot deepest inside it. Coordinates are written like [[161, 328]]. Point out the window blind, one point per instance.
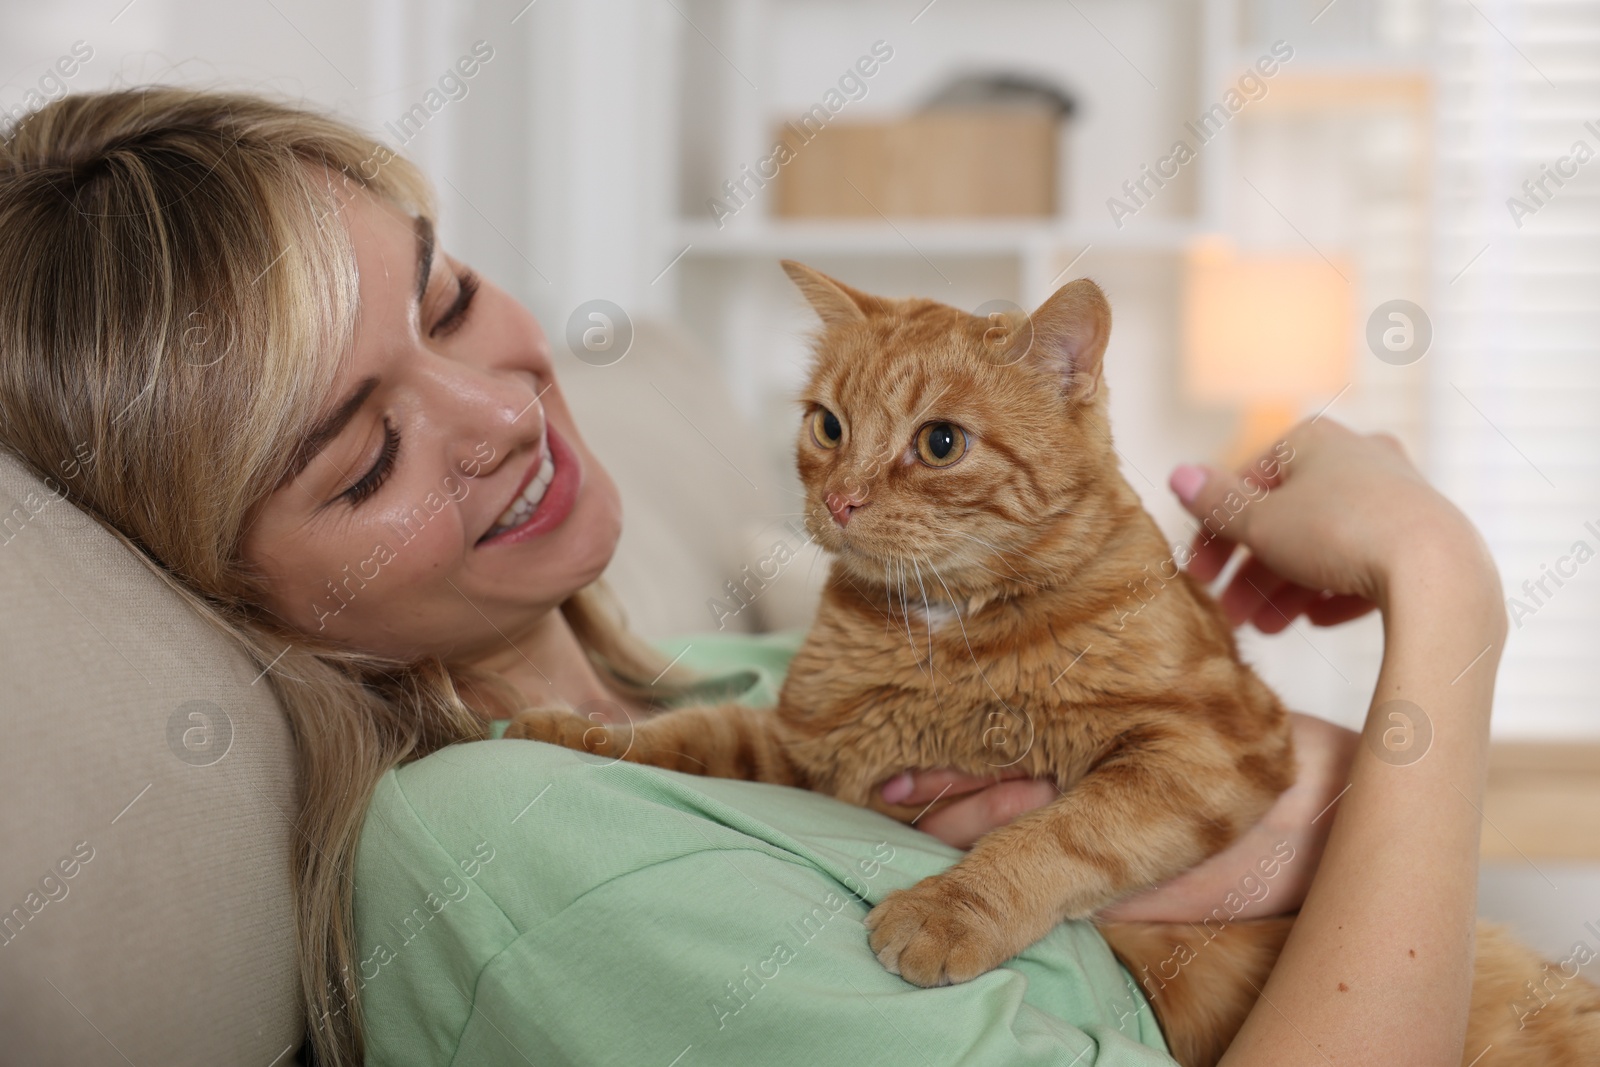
[[1514, 375]]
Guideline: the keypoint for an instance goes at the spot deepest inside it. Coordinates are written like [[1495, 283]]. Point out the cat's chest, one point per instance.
[[934, 616], [937, 652], [874, 691]]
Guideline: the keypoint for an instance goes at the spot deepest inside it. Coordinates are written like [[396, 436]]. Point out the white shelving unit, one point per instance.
[[748, 65], [1034, 246], [1139, 70]]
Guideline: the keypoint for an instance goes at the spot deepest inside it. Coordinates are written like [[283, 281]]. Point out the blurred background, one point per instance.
[[1384, 210]]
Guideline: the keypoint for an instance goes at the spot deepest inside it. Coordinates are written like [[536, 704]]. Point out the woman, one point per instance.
[[350, 452]]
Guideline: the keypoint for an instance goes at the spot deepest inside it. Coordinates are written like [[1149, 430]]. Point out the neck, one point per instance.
[[547, 663]]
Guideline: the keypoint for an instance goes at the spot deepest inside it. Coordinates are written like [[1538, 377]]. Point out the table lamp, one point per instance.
[[1264, 334]]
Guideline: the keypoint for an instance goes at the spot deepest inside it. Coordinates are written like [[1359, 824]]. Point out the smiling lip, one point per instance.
[[558, 499]]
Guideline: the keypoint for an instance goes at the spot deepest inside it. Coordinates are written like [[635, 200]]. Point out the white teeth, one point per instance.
[[527, 502]]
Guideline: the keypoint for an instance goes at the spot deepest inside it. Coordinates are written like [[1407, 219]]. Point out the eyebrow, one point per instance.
[[424, 228], [330, 427], [334, 423]]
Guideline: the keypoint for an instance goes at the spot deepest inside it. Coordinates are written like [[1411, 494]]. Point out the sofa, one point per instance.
[[148, 774]]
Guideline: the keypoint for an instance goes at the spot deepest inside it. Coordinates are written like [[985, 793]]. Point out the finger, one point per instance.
[[1392, 442], [1252, 586], [923, 787], [1288, 603], [1266, 471], [1209, 556], [1221, 501], [1331, 611], [962, 823]]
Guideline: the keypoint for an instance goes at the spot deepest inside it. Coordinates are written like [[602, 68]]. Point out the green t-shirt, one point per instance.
[[518, 903]]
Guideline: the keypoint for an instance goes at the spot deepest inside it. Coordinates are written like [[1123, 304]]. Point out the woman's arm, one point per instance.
[[1378, 967], [1379, 964]]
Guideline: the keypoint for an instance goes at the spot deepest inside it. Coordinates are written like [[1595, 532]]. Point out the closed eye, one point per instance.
[[456, 314], [370, 482]]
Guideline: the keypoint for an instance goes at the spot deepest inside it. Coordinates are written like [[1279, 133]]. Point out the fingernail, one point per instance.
[[1187, 480], [897, 788]]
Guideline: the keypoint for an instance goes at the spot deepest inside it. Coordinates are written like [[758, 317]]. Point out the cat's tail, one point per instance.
[[1530, 1011], [1201, 983]]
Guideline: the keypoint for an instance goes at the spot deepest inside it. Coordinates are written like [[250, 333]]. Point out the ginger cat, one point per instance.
[[999, 599]]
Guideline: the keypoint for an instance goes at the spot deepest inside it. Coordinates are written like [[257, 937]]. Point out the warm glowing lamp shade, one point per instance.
[[1266, 334]]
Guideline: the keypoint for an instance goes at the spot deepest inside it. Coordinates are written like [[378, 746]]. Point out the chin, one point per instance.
[[595, 527]]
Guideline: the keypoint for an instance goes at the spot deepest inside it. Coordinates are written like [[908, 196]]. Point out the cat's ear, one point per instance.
[[1070, 331], [834, 301]]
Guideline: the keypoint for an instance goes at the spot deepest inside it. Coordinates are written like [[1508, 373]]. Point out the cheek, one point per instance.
[[394, 555], [361, 584], [808, 461], [813, 466]]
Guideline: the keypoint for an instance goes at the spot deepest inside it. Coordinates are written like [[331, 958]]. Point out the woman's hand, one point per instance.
[[1330, 517], [967, 806], [1292, 833]]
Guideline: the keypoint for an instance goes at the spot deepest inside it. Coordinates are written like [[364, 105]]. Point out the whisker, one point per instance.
[[905, 603], [852, 583], [812, 566], [1003, 577], [927, 613], [888, 596], [964, 637], [905, 607], [1028, 718]]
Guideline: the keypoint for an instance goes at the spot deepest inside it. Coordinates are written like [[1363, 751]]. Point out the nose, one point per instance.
[[842, 505], [485, 411]]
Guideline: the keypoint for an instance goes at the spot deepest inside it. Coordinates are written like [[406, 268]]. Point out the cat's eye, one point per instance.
[[940, 444], [825, 428]]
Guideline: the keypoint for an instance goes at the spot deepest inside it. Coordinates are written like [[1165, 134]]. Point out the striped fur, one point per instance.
[[1016, 609]]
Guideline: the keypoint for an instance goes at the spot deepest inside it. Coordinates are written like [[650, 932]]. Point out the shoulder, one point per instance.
[[570, 820], [472, 850], [514, 899], [749, 668], [485, 850]]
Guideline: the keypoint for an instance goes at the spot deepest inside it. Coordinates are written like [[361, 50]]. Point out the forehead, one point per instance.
[[901, 364], [384, 241]]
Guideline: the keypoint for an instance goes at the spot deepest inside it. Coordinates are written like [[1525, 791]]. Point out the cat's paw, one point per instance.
[[938, 932], [557, 726]]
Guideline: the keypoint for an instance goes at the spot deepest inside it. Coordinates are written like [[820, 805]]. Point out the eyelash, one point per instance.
[[373, 480], [456, 314]]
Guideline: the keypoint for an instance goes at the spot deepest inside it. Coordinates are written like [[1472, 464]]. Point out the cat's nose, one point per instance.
[[842, 505]]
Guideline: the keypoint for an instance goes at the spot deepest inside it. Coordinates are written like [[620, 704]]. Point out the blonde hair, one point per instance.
[[177, 305]]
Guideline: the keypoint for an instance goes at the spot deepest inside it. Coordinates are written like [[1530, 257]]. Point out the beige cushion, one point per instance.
[[702, 498], [172, 943]]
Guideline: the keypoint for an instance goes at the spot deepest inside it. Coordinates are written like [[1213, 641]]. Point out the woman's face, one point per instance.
[[447, 502]]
